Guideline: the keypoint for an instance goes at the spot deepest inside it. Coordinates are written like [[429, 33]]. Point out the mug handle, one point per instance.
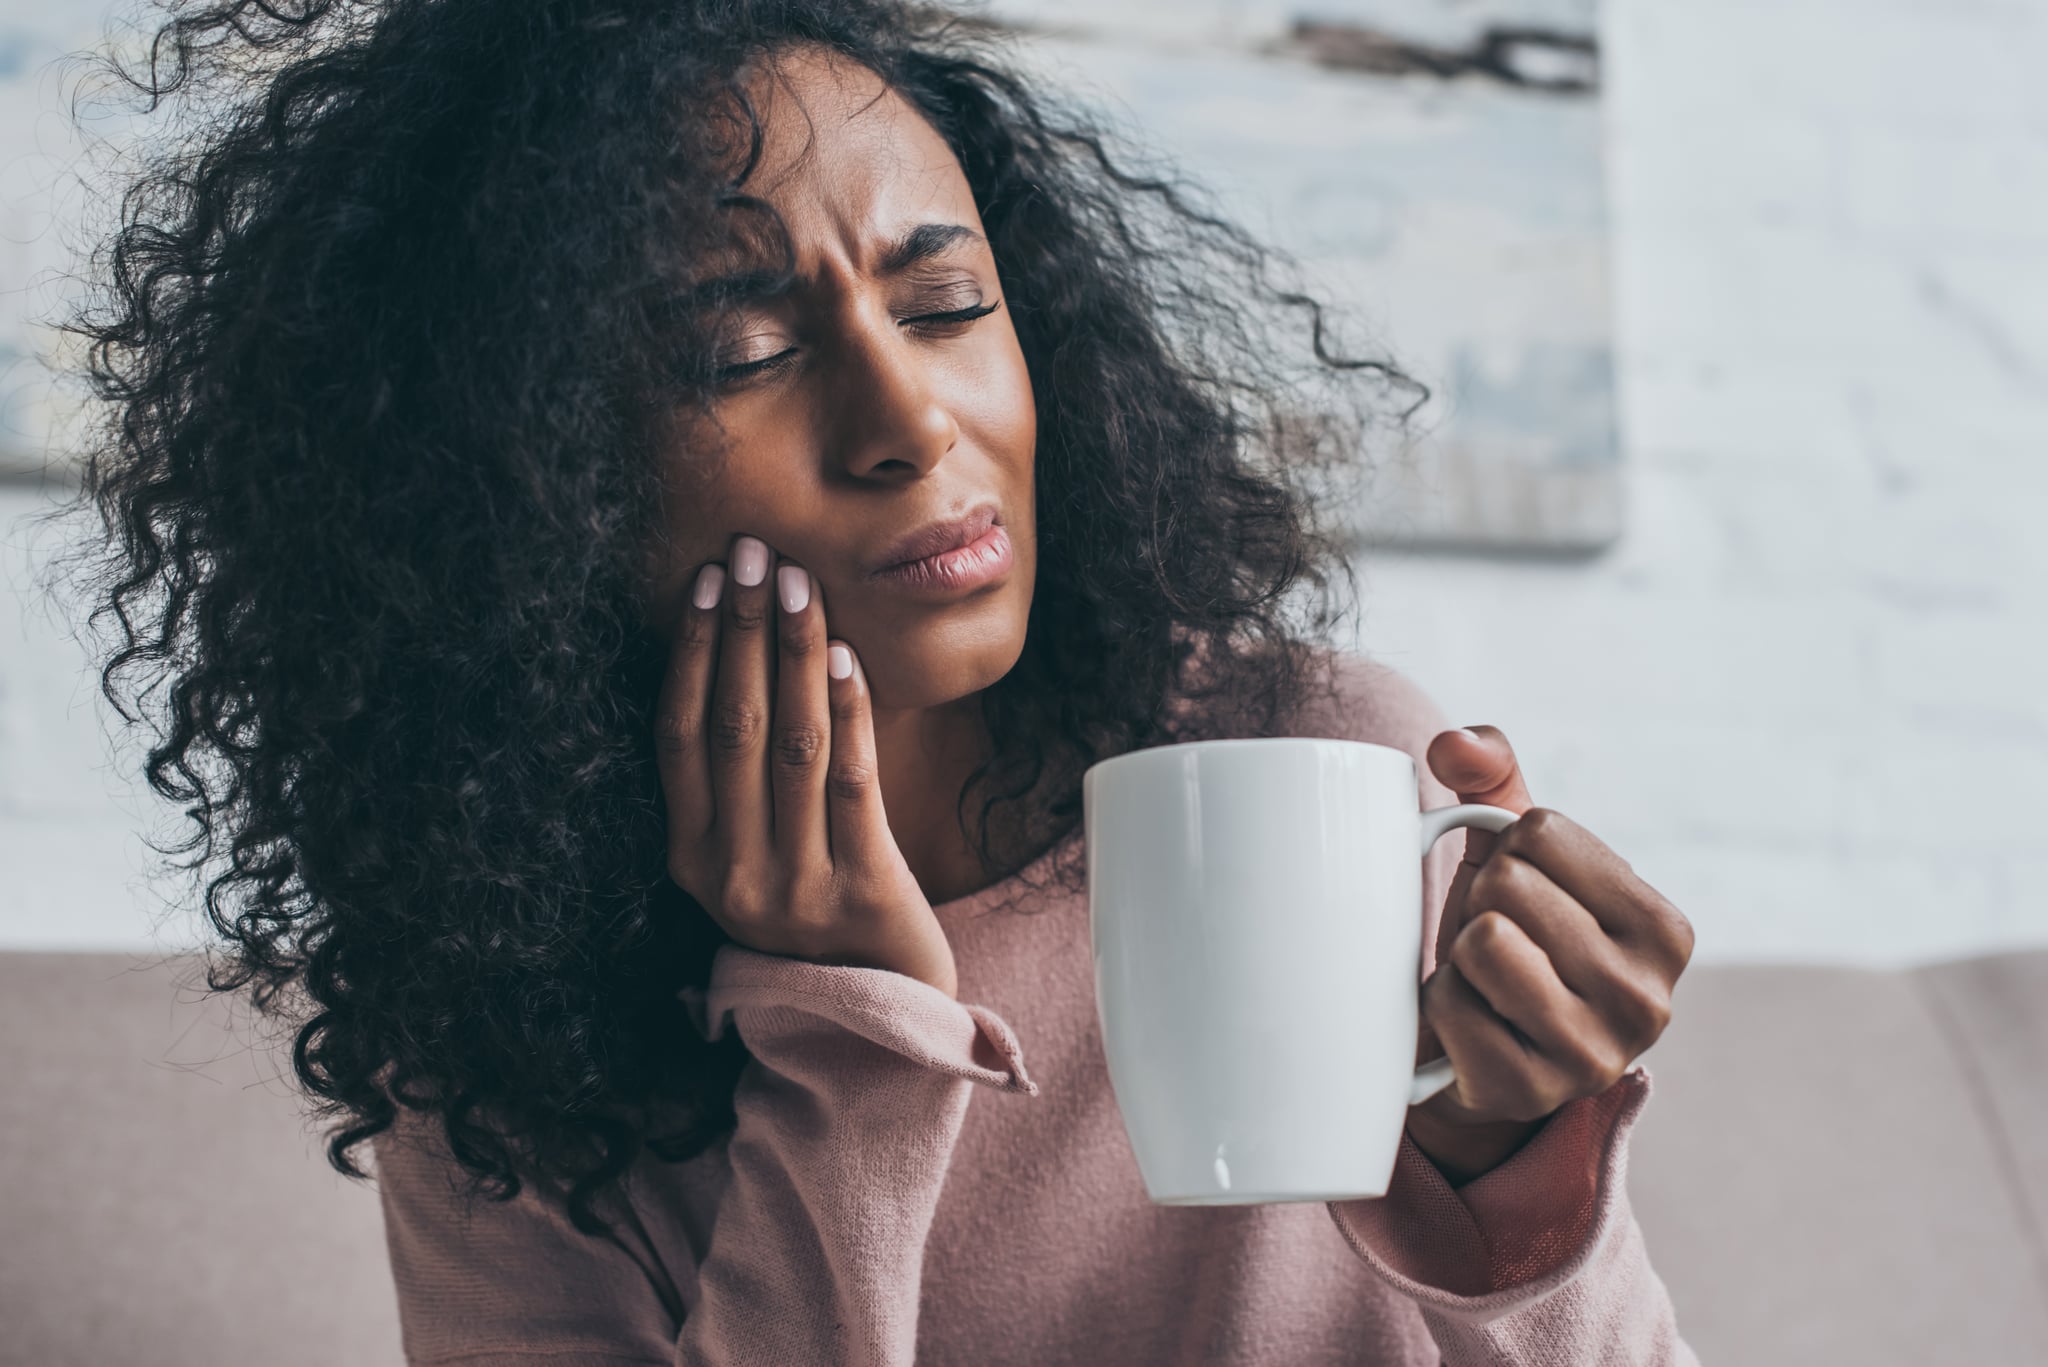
[[1435, 1075]]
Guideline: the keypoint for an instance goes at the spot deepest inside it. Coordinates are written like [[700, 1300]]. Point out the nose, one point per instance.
[[893, 419]]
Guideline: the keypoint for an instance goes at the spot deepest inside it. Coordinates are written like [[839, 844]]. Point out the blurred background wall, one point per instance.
[[1806, 690]]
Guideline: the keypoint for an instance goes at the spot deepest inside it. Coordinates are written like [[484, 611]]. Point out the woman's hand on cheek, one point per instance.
[[1555, 966], [766, 748]]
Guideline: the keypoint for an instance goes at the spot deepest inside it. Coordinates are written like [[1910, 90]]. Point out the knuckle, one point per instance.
[[675, 734], [1642, 1012], [1663, 931], [796, 637], [742, 902], [698, 629], [1503, 876], [1479, 940], [799, 746], [1678, 927], [747, 611], [849, 780], [735, 726], [1534, 827]]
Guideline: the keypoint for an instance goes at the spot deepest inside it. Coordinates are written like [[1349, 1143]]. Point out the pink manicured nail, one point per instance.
[[839, 662], [749, 561], [794, 586], [710, 580]]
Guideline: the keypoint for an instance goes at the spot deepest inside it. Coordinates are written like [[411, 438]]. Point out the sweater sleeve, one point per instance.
[[1538, 1260], [847, 1114]]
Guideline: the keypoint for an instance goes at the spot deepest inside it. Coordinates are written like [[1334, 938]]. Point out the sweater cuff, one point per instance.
[[771, 994], [1515, 1232]]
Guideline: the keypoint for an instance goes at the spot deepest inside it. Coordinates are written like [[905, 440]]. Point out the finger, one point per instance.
[[739, 710], [1586, 960], [1518, 981], [679, 715], [1479, 765], [1629, 911], [801, 737], [853, 790], [1457, 908], [1498, 1070]]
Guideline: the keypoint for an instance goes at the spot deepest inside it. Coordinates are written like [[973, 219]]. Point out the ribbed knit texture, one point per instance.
[[916, 1178]]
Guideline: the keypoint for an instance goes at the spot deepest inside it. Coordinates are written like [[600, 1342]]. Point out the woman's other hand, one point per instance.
[[767, 755], [1555, 966]]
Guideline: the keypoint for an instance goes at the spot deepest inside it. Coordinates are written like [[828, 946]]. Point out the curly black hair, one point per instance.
[[382, 348]]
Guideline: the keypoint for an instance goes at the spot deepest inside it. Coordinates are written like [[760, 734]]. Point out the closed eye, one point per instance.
[[966, 315], [748, 370], [769, 365]]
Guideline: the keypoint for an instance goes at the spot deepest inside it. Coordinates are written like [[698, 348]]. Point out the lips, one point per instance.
[[938, 537]]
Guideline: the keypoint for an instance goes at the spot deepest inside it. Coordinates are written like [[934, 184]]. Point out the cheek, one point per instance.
[[718, 480], [705, 500], [999, 404]]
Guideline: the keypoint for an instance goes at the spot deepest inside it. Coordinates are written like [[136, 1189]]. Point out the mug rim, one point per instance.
[[1174, 748]]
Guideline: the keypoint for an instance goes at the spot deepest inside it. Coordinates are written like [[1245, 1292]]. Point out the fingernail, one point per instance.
[[794, 586], [749, 561], [710, 580], [839, 662]]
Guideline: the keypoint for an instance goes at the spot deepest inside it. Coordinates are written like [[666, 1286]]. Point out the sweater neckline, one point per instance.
[[1034, 873]]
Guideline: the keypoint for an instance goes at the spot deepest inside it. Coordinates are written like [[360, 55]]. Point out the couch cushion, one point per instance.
[[1996, 1010], [164, 1204], [1819, 1178], [1837, 1166]]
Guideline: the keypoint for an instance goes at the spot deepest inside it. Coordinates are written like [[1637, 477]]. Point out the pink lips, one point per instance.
[[933, 538], [982, 561]]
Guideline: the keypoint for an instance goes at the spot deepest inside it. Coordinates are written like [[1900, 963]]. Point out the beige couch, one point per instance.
[[1838, 1166]]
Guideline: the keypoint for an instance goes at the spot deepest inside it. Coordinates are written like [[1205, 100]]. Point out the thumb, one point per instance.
[[1479, 765]]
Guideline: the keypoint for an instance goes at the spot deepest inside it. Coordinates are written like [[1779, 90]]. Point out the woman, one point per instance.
[[602, 485]]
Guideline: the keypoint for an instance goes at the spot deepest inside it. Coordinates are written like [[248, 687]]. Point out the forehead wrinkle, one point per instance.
[[898, 255], [898, 136]]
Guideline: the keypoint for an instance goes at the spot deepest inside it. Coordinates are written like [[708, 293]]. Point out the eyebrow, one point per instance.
[[920, 243]]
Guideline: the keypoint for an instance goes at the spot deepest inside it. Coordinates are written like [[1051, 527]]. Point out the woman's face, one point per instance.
[[874, 418]]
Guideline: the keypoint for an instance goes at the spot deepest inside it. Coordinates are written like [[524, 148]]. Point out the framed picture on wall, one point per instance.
[[1437, 165]]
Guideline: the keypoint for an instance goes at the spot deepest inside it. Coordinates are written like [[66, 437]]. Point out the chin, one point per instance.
[[945, 662]]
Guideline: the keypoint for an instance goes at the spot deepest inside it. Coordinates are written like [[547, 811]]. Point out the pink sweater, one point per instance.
[[919, 1178]]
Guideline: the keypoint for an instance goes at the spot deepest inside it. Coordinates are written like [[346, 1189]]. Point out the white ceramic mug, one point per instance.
[[1256, 912]]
